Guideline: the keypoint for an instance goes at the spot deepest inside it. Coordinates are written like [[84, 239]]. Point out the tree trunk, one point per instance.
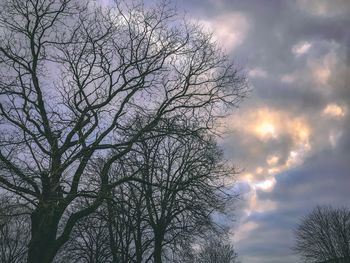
[[112, 244], [44, 224], [158, 241], [138, 246]]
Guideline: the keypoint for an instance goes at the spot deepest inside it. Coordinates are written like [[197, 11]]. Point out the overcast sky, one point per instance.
[[292, 135]]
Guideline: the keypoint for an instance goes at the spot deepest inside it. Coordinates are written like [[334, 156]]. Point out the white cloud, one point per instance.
[[267, 127], [267, 124], [334, 110], [321, 68], [334, 137], [322, 74], [266, 130], [288, 78], [301, 48], [229, 30], [244, 229], [266, 185], [272, 159], [257, 73]]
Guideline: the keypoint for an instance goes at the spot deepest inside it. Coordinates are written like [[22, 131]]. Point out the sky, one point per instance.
[[291, 136]]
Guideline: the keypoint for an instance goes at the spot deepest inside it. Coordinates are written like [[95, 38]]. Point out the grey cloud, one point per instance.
[[322, 180]]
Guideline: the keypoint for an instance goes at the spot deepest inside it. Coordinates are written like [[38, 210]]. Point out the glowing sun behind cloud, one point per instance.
[[266, 130], [268, 124], [266, 185], [269, 127]]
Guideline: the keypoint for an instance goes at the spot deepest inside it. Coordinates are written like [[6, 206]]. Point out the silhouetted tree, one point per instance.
[[182, 187], [178, 185], [79, 82], [217, 251], [89, 242], [215, 247], [130, 233], [324, 235], [14, 232]]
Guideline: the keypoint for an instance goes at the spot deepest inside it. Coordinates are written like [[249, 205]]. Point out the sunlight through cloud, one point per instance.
[[301, 48], [334, 110]]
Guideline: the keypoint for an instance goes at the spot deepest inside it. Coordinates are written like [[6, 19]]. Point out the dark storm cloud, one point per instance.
[[297, 54]]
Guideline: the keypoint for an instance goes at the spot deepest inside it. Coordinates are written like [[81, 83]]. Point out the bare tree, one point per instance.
[[182, 186], [324, 235], [79, 82], [217, 252], [117, 232], [89, 242], [153, 219], [215, 248], [130, 234], [14, 232]]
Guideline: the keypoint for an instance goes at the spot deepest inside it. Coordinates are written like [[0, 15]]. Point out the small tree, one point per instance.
[[14, 232], [323, 235], [216, 250]]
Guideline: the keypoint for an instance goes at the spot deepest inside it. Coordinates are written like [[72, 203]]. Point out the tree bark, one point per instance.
[[42, 246], [112, 244], [138, 246], [158, 241]]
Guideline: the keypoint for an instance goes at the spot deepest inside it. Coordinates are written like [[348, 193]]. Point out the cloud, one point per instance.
[[334, 137], [288, 78], [334, 110], [257, 73], [298, 166], [272, 160], [266, 185], [245, 228], [291, 138], [322, 59], [268, 124], [322, 68], [301, 48], [229, 30], [292, 197], [274, 141], [325, 8]]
